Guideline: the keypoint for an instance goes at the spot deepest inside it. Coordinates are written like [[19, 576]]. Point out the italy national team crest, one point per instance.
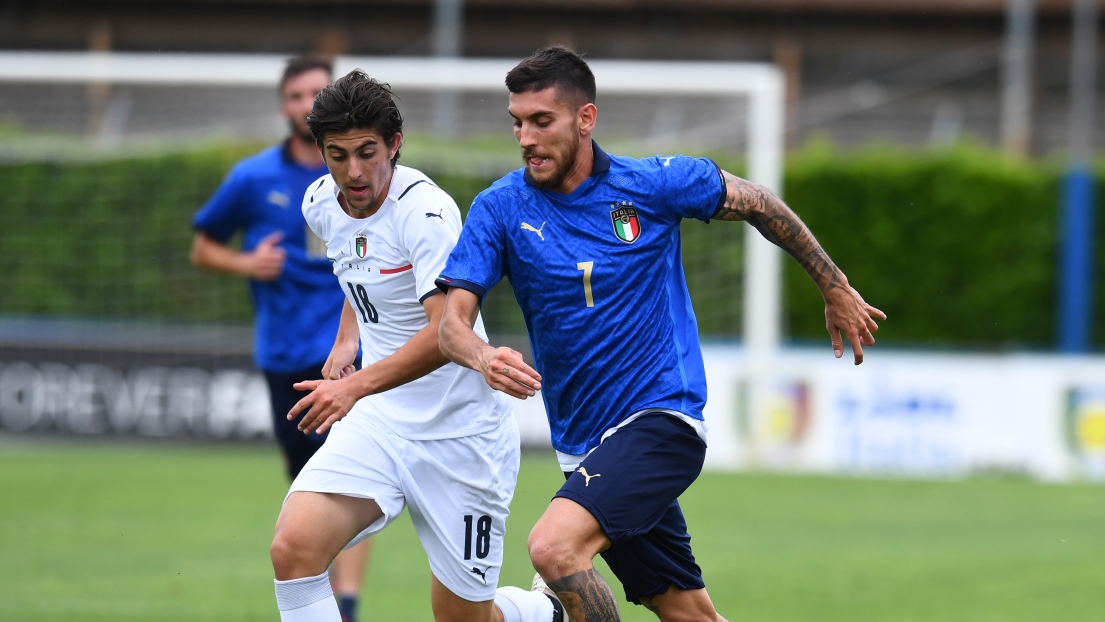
[[361, 246], [627, 226]]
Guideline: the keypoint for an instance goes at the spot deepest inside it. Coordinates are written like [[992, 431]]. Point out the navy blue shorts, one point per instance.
[[296, 446], [631, 484]]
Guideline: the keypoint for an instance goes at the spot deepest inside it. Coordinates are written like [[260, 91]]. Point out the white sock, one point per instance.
[[307, 600], [519, 605]]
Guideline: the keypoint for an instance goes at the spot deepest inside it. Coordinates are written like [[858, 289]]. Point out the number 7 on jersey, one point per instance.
[[586, 267]]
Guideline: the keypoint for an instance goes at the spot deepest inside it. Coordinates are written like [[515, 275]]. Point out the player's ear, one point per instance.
[[396, 142], [587, 116]]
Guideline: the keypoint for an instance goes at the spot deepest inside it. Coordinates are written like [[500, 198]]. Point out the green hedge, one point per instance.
[[958, 247], [110, 239]]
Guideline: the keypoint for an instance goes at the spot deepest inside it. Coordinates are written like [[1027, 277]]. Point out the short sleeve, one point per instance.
[[313, 212], [691, 187], [224, 213], [428, 240], [476, 263]]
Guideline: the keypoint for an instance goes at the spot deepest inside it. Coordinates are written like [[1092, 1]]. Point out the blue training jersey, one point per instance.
[[598, 274], [297, 315]]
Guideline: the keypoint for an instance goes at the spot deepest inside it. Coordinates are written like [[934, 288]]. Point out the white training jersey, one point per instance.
[[387, 264]]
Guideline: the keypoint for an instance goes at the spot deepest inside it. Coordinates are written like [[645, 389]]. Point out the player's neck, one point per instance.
[[304, 151], [581, 170]]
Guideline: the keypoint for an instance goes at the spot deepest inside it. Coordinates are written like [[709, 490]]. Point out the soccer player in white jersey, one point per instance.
[[409, 429], [292, 338]]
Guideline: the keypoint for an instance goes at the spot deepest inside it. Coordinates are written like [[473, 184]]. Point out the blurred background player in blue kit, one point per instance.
[[297, 299]]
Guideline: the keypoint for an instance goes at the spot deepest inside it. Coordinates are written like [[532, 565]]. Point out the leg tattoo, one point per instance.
[[586, 597]]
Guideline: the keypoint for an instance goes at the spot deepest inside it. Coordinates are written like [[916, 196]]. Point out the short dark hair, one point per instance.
[[554, 66], [356, 101], [303, 64]]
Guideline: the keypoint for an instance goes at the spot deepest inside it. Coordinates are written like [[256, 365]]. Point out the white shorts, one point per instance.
[[458, 491]]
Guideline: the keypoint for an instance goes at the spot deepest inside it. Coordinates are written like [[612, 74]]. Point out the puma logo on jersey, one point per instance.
[[667, 160], [279, 199], [437, 215], [587, 478], [529, 227], [482, 573]]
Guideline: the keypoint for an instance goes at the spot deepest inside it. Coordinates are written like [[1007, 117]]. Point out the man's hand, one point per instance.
[[504, 370], [846, 313], [340, 362], [329, 401], [266, 261]]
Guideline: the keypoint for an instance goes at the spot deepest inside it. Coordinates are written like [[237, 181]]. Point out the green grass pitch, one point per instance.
[[149, 532]]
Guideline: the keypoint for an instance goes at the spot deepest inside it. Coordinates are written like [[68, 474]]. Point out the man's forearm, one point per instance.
[[459, 343], [347, 327], [766, 212], [211, 255], [419, 356], [502, 368]]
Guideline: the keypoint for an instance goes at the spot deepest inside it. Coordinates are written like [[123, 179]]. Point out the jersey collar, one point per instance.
[[286, 151], [601, 163], [289, 160]]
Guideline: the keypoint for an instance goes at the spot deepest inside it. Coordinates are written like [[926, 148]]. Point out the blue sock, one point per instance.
[[347, 606]]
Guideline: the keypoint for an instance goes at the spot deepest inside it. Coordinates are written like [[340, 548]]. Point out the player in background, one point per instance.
[[295, 295], [590, 243], [421, 432]]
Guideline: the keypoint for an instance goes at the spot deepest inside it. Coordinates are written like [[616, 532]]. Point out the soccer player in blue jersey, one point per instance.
[[297, 300], [590, 243]]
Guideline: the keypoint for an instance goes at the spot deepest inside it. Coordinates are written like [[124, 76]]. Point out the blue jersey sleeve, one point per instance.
[[223, 214], [692, 187], [476, 263]]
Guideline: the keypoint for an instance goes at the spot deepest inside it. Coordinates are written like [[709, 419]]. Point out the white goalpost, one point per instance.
[[757, 86]]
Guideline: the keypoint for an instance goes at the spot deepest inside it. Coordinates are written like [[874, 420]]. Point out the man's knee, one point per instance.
[[547, 552], [565, 540], [292, 557], [677, 605]]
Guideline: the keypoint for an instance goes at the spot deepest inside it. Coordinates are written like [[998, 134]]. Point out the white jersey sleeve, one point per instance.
[[428, 228], [313, 211]]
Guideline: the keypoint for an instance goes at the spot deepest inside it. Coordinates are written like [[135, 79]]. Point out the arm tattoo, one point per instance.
[[775, 221], [586, 597]]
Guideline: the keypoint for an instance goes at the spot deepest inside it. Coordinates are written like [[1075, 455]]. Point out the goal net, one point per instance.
[[104, 157]]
